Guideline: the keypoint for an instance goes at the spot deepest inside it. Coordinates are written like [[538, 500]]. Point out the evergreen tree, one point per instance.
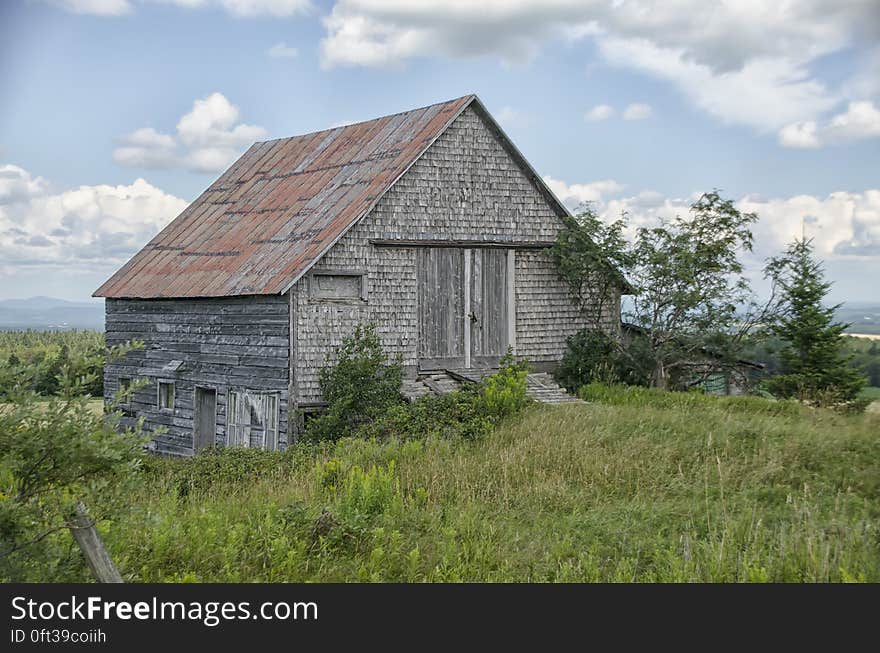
[[814, 363]]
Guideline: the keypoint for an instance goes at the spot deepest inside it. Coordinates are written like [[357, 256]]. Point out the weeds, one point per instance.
[[641, 486]]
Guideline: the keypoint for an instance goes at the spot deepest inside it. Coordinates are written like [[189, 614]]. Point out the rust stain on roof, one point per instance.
[[278, 208]]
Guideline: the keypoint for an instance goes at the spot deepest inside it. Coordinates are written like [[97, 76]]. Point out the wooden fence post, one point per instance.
[[86, 536]]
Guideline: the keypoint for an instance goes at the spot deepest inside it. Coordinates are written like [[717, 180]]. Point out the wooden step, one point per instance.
[[540, 386]]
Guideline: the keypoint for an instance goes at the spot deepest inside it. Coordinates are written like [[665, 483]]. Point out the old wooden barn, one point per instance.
[[429, 224]]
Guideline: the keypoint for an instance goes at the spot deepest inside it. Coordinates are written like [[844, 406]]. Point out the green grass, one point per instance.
[[639, 486], [95, 405], [870, 392]]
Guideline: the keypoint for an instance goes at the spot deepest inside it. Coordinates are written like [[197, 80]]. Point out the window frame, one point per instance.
[[123, 384], [159, 384], [315, 295], [239, 434]]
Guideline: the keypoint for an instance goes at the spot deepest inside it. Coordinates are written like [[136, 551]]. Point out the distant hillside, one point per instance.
[[863, 317], [50, 313]]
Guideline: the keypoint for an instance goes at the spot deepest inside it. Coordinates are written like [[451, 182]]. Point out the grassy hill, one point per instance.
[[636, 486]]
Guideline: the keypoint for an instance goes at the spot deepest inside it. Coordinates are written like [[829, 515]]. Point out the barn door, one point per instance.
[[441, 308], [205, 419], [488, 310]]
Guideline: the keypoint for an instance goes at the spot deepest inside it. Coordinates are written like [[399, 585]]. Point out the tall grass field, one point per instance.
[[635, 485]]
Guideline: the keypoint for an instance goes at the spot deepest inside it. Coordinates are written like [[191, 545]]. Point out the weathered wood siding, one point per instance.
[[229, 343], [465, 187], [545, 314]]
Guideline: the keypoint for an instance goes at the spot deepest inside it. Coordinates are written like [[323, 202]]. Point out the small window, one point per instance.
[[250, 414], [338, 286], [166, 395], [124, 396]]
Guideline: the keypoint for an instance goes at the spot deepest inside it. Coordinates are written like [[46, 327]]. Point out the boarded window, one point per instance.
[[252, 419], [124, 395], [337, 286], [166, 395]]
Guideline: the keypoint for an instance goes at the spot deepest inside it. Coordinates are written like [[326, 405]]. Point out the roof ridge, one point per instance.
[[332, 191], [468, 96]]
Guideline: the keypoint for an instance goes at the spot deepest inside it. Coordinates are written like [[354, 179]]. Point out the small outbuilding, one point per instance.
[[429, 224]]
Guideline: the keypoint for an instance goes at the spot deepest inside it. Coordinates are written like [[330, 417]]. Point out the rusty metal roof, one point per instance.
[[279, 207]]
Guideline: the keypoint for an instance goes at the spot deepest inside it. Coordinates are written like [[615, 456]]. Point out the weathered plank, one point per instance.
[[220, 345], [86, 536]]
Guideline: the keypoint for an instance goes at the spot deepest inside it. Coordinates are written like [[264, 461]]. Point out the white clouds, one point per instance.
[[861, 120], [280, 8], [387, 32], [800, 135], [721, 35], [95, 7], [577, 194], [17, 184], [637, 111], [212, 123], [282, 51], [842, 224], [765, 93], [512, 118], [745, 63], [146, 148], [599, 112], [238, 8], [89, 227], [210, 134]]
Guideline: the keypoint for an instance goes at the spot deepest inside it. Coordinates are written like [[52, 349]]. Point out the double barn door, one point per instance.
[[465, 307]]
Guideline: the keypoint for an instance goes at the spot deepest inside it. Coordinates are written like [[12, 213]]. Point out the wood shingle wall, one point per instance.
[[465, 187]]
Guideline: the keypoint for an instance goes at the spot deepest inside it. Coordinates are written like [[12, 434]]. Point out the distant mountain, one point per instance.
[[863, 317], [50, 313]]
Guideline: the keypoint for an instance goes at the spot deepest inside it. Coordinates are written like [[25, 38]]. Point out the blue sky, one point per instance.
[[116, 113]]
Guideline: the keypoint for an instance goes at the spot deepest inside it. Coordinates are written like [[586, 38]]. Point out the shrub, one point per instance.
[[359, 387], [468, 413], [53, 455], [504, 393], [592, 355], [457, 414], [35, 360]]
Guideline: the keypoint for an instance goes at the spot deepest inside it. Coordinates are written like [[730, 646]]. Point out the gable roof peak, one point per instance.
[[277, 209]]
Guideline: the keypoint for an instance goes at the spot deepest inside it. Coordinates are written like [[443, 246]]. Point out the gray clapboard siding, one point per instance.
[[224, 343]]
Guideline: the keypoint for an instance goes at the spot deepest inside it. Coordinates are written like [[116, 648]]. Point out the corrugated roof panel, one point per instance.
[[278, 208]]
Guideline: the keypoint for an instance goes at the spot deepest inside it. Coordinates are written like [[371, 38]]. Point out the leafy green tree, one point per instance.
[[591, 257], [685, 279], [815, 363], [36, 358], [54, 454], [48, 382], [359, 386]]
